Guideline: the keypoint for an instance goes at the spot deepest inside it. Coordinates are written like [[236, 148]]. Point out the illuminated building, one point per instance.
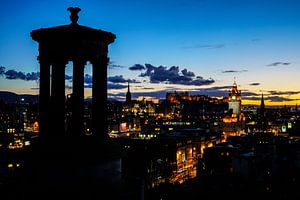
[[147, 98], [160, 160], [234, 121], [234, 106], [184, 106], [175, 97], [235, 100], [179, 97]]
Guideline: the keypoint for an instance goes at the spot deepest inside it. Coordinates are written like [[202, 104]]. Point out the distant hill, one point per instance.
[[10, 97]]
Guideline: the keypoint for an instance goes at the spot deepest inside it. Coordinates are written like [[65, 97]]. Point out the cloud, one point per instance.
[[217, 91], [68, 77], [121, 79], [248, 94], [226, 87], [171, 87], [278, 99], [257, 98], [275, 64], [205, 46], [2, 70], [185, 72], [114, 81], [116, 97], [234, 71], [68, 87], [255, 40], [222, 91], [88, 79], [33, 76], [172, 75], [112, 65], [137, 67], [284, 92], [211, 93], [117, 79], [88, 85], [13, 74], [254, 84], [110, 86], [149, 69], [115, 86], [157, 94], [269, 98]]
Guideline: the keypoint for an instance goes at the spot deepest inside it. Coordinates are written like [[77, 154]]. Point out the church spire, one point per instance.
[[234, 89], [234, 82], [262, 115], [262, 102], [128, 94], [128, 88]]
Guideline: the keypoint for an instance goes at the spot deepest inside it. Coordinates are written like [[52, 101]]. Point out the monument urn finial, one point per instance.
[[74, 14]]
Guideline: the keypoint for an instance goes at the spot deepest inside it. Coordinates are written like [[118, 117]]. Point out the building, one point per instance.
[[235, 100], [234, 106], [234, 121], [180, 97]]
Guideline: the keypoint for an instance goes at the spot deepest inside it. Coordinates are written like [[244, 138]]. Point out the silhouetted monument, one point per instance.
[[72, 163], [80, 44]]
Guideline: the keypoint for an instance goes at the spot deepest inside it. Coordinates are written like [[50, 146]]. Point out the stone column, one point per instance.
[[99, 93], [78, 98], [44, 98], [58, 98]]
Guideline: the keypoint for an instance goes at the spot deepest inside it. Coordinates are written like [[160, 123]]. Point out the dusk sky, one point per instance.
[[165, 45]]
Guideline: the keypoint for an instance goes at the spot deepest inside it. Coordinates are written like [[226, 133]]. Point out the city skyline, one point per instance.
[[199, 46]]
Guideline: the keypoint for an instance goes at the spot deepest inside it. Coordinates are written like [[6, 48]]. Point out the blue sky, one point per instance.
[[215, 39]]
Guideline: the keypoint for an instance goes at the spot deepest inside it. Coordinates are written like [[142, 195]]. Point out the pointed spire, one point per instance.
[[128, 94], [262, 107], [234, 89], [234, 82], [262, 102], [262, 116], [128, 90]]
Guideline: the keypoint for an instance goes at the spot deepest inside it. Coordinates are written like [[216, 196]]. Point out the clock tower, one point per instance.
[[235, 100]]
